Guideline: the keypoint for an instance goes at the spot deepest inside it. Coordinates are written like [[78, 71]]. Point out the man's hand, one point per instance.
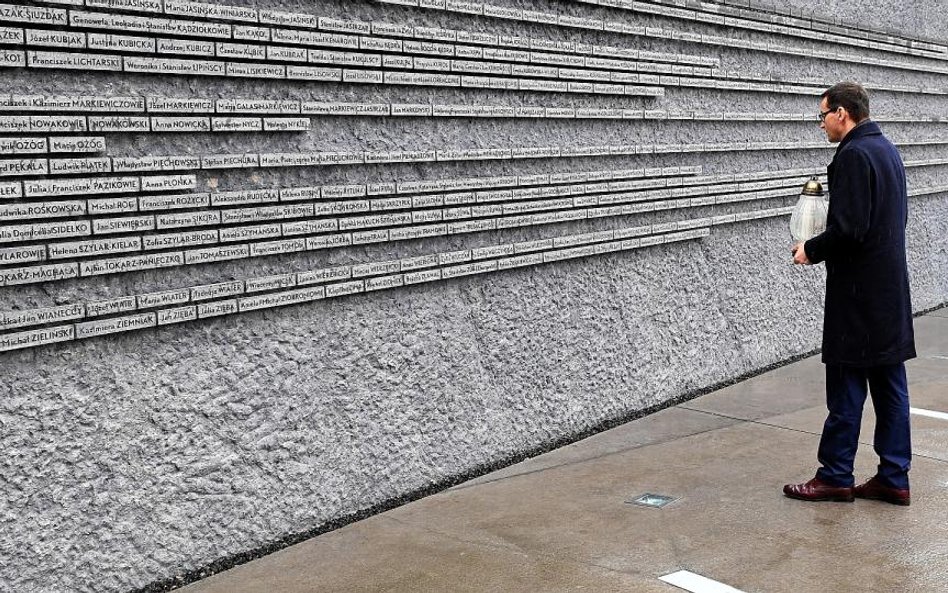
[[799, 255]]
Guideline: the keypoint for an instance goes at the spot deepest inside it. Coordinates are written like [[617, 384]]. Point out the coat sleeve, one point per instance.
[[850, 208]]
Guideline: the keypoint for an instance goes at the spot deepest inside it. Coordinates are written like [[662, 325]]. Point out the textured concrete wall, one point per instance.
[[132, 458]]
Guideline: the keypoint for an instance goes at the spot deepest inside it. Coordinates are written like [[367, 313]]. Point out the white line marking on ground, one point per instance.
[[929, 413], [696, 583]]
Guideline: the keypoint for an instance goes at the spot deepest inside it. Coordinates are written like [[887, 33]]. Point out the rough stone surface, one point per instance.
[[132, 458]]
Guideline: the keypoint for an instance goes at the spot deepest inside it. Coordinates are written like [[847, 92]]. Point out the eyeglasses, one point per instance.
[[823, 114]]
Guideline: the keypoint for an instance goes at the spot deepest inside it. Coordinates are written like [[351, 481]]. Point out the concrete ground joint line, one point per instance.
[[577, 462], [509, 547], [749, 420], [453, 537], [683, 406], [801, 431]]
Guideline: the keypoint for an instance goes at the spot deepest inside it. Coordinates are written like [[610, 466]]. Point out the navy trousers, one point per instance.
[[845, 397]]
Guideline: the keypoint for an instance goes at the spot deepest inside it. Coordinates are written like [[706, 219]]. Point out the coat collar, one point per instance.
[[863, 129]]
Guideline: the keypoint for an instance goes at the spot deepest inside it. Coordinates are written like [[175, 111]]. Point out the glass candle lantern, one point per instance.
[[809, 215]]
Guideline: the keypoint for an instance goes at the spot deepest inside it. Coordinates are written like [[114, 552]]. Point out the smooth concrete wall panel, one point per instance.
[[204, 352]]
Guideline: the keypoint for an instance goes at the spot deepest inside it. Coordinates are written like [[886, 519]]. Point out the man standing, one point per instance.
[[867, 324]]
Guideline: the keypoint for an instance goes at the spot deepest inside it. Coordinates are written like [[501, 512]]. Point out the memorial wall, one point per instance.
[[267, 266]]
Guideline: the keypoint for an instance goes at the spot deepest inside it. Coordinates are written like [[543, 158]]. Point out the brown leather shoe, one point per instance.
[[874, 489], [817, 490]]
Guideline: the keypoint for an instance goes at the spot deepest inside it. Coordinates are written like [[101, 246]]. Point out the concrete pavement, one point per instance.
[[561, 521]]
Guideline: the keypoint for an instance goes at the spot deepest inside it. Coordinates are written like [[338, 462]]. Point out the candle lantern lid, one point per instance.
[[813, 188]]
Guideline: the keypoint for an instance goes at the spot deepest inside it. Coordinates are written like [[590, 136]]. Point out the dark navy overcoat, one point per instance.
[[868, 316]]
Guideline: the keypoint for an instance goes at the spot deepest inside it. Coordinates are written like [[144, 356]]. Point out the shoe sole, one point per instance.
[[895, 501], [824, 499]]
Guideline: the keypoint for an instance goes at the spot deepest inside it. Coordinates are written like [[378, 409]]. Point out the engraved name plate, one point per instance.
[[377, 189], [256, 70], [286, 124], [34, 274], [21, 211], [131, 263], [10, 124], [36, 337], [492, 251], [162, 299], [344, 288], [106, 226], [324, 275], [289, 194], [73, 61], [253, 196], [275, 247], [22, 255], [266, 231], [362, 76], [15, 319], [174, 66], [169, 182], [236, 124], [422, 276], [379, 44], [119, 123], [180, 124], [111, 306], [286, 54], [76, 144], [209, 10], [177, 315], [23, 167], [64, 39], [12, 59], [314, 73], [168, 221], [80, 166], [216, 309], [322, 56], [178, 240], [113, 205], [376, 268], [130, 5], [216, 254], [245, 51], [213, 291], [366, 237], [88, 329], [274, 106], [251, 33], [384, 282], [306, 227], [412, 110], [468, 269], [172, 202], [33, 14], [403, 62], [230, 161], [418, 232], [47, 230], [129, 43], [519, 261], [291, 19], [288, 297], [179, 105], [12, 36], [270, 282]]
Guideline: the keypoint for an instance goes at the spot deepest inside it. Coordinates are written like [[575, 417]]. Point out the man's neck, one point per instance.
[[850, 129]]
